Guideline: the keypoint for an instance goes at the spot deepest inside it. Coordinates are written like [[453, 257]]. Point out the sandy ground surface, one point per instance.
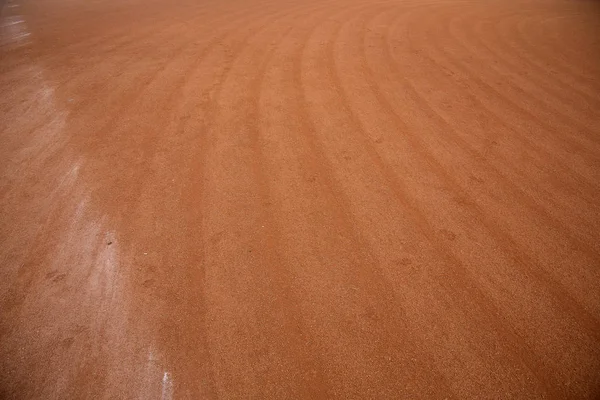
[[300, 199]]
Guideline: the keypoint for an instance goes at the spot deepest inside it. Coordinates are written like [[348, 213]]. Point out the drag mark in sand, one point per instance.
[[167, 386]]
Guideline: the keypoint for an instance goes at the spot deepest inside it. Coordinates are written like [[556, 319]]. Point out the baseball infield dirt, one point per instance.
[[277, 199]]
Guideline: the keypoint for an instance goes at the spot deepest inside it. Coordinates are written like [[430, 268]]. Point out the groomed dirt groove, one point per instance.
[[284, 199]]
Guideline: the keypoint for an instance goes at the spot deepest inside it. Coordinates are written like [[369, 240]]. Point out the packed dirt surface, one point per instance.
[[277, 199]]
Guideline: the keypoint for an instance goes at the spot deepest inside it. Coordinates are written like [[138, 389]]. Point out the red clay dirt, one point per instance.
[[300, 199]]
